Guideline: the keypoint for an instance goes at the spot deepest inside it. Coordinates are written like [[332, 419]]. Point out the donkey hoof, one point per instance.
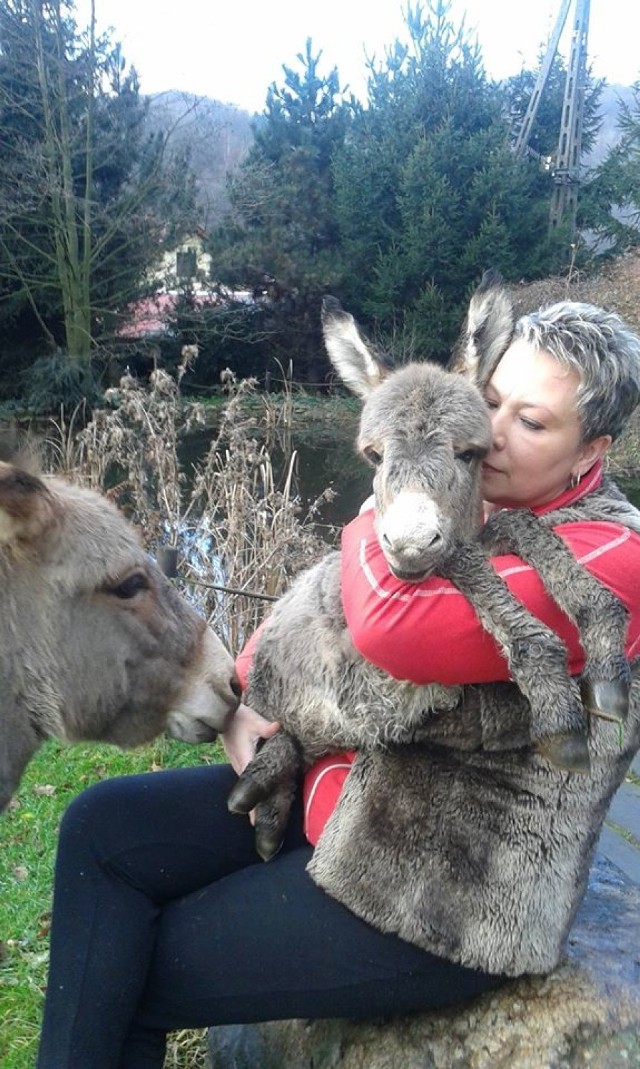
[[267, 843], [243, 797], [569, 752], [608, 699]]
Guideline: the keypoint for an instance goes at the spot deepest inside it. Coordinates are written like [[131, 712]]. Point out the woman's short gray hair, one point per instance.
[[602, 349]]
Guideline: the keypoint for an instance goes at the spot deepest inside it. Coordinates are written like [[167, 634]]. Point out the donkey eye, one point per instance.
[[129, 587], [372, 455], [467, 455]]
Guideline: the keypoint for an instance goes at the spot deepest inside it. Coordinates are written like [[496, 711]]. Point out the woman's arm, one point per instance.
[[428, 631]]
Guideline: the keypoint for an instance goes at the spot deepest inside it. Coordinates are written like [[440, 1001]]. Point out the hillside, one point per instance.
[[218, 137], [616, 286]]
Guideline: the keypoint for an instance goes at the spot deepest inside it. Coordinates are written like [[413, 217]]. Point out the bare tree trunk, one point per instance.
[[71, 232]]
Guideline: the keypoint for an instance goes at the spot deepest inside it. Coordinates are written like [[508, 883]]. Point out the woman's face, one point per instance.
[[536, 435]]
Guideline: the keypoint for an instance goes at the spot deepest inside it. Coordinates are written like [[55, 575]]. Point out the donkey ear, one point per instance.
[[487, 330], [27, 506], [359, 367]]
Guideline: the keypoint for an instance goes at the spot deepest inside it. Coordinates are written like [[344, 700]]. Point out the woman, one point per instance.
[[164, 917]]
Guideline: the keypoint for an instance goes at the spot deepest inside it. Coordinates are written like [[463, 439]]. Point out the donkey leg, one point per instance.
[[536, 658], [559, 728], [278, 759], [267, 786], [599, 615]]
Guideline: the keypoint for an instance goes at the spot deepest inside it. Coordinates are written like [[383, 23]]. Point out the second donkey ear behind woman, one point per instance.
[[429, 873]]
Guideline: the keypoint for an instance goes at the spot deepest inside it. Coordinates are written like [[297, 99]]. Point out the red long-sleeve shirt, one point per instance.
[[428, 632]]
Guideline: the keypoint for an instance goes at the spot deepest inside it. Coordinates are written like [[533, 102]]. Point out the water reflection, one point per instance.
[[331, 465], [325, 459]]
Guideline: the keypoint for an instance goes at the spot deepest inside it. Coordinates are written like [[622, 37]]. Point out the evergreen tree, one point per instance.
[[87, 196], [280, 239], [428, 190], [611, 201], [396, 205]]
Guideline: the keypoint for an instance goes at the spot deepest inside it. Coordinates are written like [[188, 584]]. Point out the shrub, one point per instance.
[[54, 382]]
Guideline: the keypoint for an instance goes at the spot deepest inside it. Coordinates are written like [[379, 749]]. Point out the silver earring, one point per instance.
[[574, 481]]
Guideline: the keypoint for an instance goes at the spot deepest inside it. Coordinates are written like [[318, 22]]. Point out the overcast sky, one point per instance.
[[232, 50]]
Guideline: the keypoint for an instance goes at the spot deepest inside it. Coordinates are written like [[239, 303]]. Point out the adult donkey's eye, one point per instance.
[[130, 586], [372, 455]]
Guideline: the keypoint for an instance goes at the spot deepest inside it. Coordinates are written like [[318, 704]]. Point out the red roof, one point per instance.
[[148, 316]]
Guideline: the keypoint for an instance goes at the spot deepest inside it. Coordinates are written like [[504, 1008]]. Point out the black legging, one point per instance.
[[164, 918]]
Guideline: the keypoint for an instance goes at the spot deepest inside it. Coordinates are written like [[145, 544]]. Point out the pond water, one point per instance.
[[327, 459], [332, 465]]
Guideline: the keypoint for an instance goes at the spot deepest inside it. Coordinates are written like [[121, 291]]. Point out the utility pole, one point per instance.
[[522, 140], [566, 175], [566, 172]]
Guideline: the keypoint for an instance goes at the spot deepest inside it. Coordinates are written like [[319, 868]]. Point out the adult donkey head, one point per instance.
[[95, 643]]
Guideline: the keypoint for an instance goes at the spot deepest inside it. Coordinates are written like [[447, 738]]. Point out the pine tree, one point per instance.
[[280, 239], [396, 205], [611, 201], [428, 190]]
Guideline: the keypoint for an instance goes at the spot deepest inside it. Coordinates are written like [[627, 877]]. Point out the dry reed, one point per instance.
[[235, 516]]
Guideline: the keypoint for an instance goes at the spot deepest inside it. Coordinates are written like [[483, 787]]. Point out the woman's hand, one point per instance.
[[242, 735]]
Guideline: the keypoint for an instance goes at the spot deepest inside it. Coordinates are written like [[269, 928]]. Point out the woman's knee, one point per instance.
[[98, 809], [130, 812]]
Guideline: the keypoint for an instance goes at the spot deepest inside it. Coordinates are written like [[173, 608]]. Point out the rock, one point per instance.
[[584, 1015]]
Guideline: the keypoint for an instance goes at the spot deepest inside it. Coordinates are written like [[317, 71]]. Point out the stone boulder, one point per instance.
[[585, 1015]]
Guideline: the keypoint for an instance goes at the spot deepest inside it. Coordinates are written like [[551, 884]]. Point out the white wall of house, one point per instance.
[[187, 263]]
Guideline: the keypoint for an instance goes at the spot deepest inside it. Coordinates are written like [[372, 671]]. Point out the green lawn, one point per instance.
[[28, 832]]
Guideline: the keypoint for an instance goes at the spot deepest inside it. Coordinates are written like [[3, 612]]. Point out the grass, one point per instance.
[[28, 834]]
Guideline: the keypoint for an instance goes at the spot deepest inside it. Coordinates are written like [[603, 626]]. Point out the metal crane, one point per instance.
[[566, 172]]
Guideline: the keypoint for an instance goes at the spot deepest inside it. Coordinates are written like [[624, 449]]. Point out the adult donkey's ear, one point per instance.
[[355, 360], [27, 508], [487, 331]]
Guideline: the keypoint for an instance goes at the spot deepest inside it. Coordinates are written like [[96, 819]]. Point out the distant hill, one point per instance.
[[609, 133], [218, 136]]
